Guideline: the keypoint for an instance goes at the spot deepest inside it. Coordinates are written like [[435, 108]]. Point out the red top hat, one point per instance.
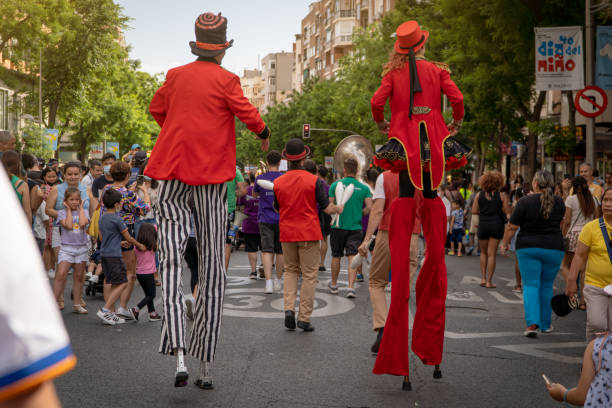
[[410, 35]]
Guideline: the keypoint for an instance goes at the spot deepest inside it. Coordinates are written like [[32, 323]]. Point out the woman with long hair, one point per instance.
[[49, 177], [492, 207], [420, 148], [11, 160], [539, 249], [580, 208]]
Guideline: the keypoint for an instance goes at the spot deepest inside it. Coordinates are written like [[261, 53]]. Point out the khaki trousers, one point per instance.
[[304, 257], [379, 274], [599, 311]]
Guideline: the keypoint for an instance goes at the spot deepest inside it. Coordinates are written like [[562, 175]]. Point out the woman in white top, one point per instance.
[[580, 208]]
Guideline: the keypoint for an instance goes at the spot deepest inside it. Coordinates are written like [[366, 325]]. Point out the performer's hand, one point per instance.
[[454, 127], [383, 126], [363, 249]]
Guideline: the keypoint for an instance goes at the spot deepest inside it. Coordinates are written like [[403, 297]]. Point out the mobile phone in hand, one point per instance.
[[546, 379]]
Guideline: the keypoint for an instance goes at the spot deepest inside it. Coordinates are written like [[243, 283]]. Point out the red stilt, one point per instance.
[[429, 320], [393, 352]]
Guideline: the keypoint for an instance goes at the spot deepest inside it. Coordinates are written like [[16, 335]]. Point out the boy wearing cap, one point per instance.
[[195, 154], [296, 195]]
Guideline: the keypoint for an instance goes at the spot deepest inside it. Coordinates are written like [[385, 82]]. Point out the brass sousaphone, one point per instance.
[[360, 148]]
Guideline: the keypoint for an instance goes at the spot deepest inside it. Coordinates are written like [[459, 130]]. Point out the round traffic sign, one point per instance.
[[591, 101]]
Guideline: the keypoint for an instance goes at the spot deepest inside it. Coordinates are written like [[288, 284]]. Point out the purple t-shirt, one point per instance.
[[266, 199], [77, 235], [251, 209]]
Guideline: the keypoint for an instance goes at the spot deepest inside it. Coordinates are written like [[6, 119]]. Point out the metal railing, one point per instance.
[[344, 38], [345, 13]]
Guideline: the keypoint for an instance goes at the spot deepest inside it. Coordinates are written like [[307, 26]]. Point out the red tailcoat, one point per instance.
[[195, 109], [435, 79]]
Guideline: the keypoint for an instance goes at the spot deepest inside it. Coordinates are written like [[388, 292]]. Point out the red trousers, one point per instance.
[[429, 320]]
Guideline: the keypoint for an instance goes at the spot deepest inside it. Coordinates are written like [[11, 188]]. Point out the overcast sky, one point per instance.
[[161, 30]]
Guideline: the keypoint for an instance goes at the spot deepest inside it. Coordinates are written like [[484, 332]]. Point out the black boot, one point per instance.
[[437, 374], [376, 344], [406, 386], [290, 319], [306, 326]]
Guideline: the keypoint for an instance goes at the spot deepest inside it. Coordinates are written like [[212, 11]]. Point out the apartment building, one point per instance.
[[327, 35], [277, 75], [12, 75], [252, 86]]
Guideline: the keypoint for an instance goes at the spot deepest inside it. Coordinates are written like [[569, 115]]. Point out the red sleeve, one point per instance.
[[158, 106], [380, 98], [453, 93], [242, 108]]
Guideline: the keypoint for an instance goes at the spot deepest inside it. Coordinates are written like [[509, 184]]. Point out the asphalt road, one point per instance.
[[487, 361]]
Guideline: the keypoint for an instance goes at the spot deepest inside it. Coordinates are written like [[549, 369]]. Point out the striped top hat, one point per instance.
[[210, 31]]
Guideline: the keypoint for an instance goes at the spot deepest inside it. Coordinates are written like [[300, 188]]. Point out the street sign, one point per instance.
[[591, 101]]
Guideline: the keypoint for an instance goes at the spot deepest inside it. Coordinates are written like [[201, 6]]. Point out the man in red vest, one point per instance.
[[195, 154], [296, 195], [385, 192]]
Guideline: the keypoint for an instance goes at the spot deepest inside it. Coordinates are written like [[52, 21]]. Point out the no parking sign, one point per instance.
[[591, 101]]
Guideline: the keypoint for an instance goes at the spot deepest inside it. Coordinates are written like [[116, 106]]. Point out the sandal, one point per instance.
[[582, 306], [491, 285], [517, 289], [78, 309], [60, 304]]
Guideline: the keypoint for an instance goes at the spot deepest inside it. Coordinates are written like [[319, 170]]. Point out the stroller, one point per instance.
[[91, 288]]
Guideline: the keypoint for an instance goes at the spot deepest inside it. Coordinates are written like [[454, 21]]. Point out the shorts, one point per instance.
[[344, 242], [130, 229], [457, 235], [73, 254], [114, 270], [270, 238], [56, 239], [490, 228], [230, 227], [252, 242]]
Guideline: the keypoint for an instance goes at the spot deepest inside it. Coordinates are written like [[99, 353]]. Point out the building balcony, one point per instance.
[[346, 13], [343, 40]]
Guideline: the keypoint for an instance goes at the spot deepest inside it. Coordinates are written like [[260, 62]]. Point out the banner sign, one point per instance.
[[559, 62], [96, 151], [603, 65], [51, 136], [113, 147]]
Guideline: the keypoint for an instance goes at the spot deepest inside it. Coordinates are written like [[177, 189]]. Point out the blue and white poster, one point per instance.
[[50, 137], [559, 58], [603, 66], [113, 147]]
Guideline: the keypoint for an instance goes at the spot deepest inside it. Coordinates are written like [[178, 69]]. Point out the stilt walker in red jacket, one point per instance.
[[419, 147], [195, 154]]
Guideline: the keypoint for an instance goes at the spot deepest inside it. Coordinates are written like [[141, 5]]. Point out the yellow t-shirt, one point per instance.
[[599, 268]]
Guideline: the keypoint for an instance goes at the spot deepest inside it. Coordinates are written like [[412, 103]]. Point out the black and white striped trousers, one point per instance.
[[172, 213]]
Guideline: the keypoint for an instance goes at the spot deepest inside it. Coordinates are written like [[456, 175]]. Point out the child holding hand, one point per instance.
[[145, 270]]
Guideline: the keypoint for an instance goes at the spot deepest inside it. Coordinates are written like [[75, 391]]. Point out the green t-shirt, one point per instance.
[[231, 191], [350, 219]]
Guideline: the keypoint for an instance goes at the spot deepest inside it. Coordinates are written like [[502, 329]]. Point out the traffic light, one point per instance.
[[306, 131]]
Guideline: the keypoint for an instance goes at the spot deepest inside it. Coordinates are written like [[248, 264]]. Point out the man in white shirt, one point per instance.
[[95, 170]]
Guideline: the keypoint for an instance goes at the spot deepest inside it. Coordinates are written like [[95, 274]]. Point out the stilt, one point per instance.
[[437, 374], [181, 376], [406, 384]]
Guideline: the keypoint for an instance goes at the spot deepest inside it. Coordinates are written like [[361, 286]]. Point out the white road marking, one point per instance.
[[465, 296], [538, 350], [503, 299]]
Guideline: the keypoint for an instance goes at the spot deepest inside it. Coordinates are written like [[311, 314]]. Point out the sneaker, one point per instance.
[[306, 326], [269, 287], [51, 273], [277, 285], [451, 253], [154, 317], [253, 275], [332, 289], [322, 268], [109, 317], [549, 330], [189, 301], [135, 311], [376, 344], [88, 275], [360, 277], [531, 331], [94, 279], [469, 251], [350, 293], [125, 313], [262, 275]]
